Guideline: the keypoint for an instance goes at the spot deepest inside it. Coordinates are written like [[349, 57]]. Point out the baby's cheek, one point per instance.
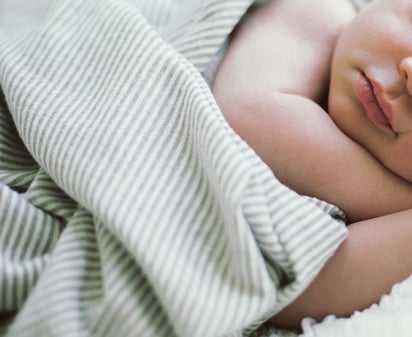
[[339, 108]]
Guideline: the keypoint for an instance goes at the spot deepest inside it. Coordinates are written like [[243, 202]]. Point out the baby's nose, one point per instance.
[[405, 69]]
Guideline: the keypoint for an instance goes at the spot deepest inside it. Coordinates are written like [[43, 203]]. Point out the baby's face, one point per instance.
[[370, 95]]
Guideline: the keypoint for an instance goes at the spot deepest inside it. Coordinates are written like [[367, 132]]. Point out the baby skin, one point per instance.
[[353, 150]]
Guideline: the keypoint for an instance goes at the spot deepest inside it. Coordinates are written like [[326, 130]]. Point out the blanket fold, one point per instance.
[[130, 206]]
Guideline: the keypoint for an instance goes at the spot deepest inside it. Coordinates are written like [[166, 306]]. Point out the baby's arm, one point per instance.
[[376, 254], [307, 152], [274, 71]]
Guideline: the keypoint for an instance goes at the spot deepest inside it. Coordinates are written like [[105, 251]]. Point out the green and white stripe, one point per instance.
[[128, 207]]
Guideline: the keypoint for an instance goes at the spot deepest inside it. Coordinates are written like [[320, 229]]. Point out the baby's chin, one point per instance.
[[398, 160], [392, 152]]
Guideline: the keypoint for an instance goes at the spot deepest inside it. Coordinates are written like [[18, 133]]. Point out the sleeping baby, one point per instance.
[[326, 101]]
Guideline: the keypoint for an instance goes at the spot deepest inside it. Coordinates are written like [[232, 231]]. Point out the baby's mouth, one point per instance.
[[370, 98]]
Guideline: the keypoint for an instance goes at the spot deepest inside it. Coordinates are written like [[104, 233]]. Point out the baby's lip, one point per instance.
[[383, 99], [368, 92]]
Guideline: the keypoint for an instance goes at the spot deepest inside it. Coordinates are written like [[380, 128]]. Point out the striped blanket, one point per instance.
[[128, 207]]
